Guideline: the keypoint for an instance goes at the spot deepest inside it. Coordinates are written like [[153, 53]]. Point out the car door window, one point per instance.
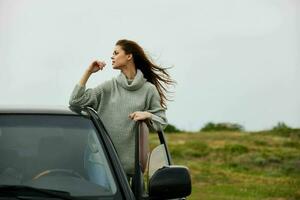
[[158, 159]]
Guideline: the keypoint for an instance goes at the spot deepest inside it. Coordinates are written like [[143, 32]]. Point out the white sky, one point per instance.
[[234, 61]]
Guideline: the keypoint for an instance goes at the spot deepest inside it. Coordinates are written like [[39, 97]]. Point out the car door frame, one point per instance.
[[112, 155]]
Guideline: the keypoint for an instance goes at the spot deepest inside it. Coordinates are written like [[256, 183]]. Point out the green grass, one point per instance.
[[239, 165]]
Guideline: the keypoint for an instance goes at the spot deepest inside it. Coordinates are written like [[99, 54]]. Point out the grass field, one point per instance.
[[239, 166]]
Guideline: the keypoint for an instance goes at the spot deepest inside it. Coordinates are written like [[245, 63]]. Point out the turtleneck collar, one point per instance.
[[136, 84]]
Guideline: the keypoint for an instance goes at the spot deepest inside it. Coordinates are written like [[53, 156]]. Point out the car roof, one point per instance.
[[63, 110]]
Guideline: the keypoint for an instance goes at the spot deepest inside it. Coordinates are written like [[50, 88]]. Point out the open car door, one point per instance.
[[164, 180]]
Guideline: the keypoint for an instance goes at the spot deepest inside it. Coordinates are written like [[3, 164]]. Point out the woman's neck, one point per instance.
[[129, 71]]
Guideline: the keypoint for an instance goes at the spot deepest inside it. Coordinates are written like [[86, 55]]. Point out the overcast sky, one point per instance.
[[234, 61]]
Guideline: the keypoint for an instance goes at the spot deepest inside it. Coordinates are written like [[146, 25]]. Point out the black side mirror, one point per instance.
[[170, 182]]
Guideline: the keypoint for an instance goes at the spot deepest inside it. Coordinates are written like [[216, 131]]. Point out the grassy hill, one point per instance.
[[239, 165]]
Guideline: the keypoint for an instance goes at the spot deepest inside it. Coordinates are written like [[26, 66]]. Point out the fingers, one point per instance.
[[101, 64], [132, 115], [136, 116]]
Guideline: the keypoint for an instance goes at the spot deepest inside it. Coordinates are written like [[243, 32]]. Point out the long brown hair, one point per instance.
[[153, 73]]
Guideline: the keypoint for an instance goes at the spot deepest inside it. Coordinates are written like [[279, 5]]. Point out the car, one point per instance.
[[66, 153]]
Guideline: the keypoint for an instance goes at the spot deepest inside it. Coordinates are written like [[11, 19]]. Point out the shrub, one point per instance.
[[291, 167], [236, 149], [260, 143], [176, 152], [197, 149], [260, 161], [282, 129], [292, 144], [239, 167], [222, 127], [171, 129], [190, 149]]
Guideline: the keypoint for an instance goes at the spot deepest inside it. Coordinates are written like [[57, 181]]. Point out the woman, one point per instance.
[[138, 93]]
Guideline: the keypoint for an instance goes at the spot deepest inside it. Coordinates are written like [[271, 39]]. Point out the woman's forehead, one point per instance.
[[117, 48]]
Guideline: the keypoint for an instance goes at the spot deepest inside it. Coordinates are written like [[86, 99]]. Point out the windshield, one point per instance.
[[57, 152]]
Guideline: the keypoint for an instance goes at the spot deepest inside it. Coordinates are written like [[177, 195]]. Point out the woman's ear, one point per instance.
[[129, 56]]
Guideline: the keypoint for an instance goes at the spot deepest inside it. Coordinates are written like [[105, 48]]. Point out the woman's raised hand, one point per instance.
[[96, 66]]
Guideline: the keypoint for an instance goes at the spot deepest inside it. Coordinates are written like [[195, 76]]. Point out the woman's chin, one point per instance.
[[115, 67]]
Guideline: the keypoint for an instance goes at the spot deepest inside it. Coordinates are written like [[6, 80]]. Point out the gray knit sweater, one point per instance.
[[114, 100]]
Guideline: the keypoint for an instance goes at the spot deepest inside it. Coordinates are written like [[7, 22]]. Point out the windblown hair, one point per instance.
[[152, 72]]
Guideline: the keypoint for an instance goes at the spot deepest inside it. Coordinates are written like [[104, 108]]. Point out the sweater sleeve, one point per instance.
[[158, 120], [82, 97]]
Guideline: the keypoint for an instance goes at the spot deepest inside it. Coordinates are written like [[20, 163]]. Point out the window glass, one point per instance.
[[54, 152], [158, 159]]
